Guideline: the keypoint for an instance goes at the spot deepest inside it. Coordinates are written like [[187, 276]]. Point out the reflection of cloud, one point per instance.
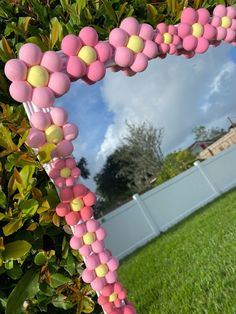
[[174, 93]]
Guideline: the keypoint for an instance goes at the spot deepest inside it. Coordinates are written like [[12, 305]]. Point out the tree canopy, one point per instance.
[[132, 166]]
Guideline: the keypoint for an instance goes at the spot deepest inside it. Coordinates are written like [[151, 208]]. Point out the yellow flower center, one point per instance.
[[54, 134], [89, 238], [65, 172], [87, 54], [113, 297], [226, 22], [167, 38], [135, 44], [101, 270], [197, 30], [38, 76], [76, 204]]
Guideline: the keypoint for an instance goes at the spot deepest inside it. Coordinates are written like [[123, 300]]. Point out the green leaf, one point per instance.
[[2, 216], [16, 272], [110, 10], [16, 249], [58, 280], [61, 302], [29, 207], [25, 289], [40, 259], [6, 139], [12, 226], [24, 23], [56, 31], [87, 305], [37, 41], [3, 200], [45, 153]]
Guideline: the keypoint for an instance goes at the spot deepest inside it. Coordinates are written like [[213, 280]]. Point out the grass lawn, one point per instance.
[[189, 269]]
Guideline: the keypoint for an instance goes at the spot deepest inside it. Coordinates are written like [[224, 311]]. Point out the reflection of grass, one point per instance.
[[189, 269]]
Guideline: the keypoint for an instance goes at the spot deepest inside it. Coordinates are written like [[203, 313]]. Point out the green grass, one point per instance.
[[190, 268]]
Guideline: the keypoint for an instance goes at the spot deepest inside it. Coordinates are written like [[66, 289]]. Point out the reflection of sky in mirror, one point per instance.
[[173, 93]]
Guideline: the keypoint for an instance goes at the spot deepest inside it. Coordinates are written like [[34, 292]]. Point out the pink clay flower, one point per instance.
[[36, 76], [224, 19], [64, 172], [195, 30], [53, 128], [88, 237], [167, 38], [111, 297], [101, 270], [87, 55], [133, 44], [76, 204]]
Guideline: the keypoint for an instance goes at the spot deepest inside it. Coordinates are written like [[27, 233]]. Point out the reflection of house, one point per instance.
[[198, 146], [220, 144]]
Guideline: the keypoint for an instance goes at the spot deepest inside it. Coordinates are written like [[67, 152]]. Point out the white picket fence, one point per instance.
[[142, 219]]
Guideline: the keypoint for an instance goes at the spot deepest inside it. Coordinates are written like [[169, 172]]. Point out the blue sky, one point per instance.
[[173, 93]]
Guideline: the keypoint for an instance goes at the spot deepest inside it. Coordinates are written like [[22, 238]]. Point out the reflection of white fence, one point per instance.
[[138, 221]]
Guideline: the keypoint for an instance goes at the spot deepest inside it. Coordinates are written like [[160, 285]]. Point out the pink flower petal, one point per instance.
[[64, 148], [146, 31], [216, 21], [172, 30], [221, 33], [123, 57], [130, 25], [86, 213], [101, 234], [220, 10], [75, 173], [164, 48], [72, 218], [184, 30], [118, 37], [40, 120], [59, 83], [66, 195], [75, 243], [104, 51], [70, 131], [202, 45], [111, 277], [88, 276], [43, 97], [89, 199], [140, 62], [15, 70], [36, 138], [98, 283], [162, 28], [189, 16], [80, 230], [203, 16], [71, 45], [51, 61], [70, 163], [21, 91], [231, 12], [230, 35], [31, 54], [85, 250], [62, 209], [60, 182], [92, 262], [150, 49], [210, 32], [80, 190], [54, 173], [190, 43], [58, 115], [97, 246], [96, 71], [75, 67], [89, 36], [113, 264]]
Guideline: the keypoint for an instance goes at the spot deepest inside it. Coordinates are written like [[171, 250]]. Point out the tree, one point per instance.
[[83, 166], [201, 133], [130, 168], [175, 163]]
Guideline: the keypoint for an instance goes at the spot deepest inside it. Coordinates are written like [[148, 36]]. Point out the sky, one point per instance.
[[176, 94]]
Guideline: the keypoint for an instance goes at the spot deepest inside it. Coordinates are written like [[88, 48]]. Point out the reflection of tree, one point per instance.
[[83, 166], [131, 167], [201, 133]]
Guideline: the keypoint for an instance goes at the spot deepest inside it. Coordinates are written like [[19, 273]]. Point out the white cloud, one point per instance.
[[174, 93]]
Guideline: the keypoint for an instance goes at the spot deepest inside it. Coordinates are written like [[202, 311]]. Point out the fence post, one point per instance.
[[207, 178], [146, 214]]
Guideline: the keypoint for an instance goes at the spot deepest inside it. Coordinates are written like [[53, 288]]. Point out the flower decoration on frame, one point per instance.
[[52, 127], [36, 76], [86, 55]]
